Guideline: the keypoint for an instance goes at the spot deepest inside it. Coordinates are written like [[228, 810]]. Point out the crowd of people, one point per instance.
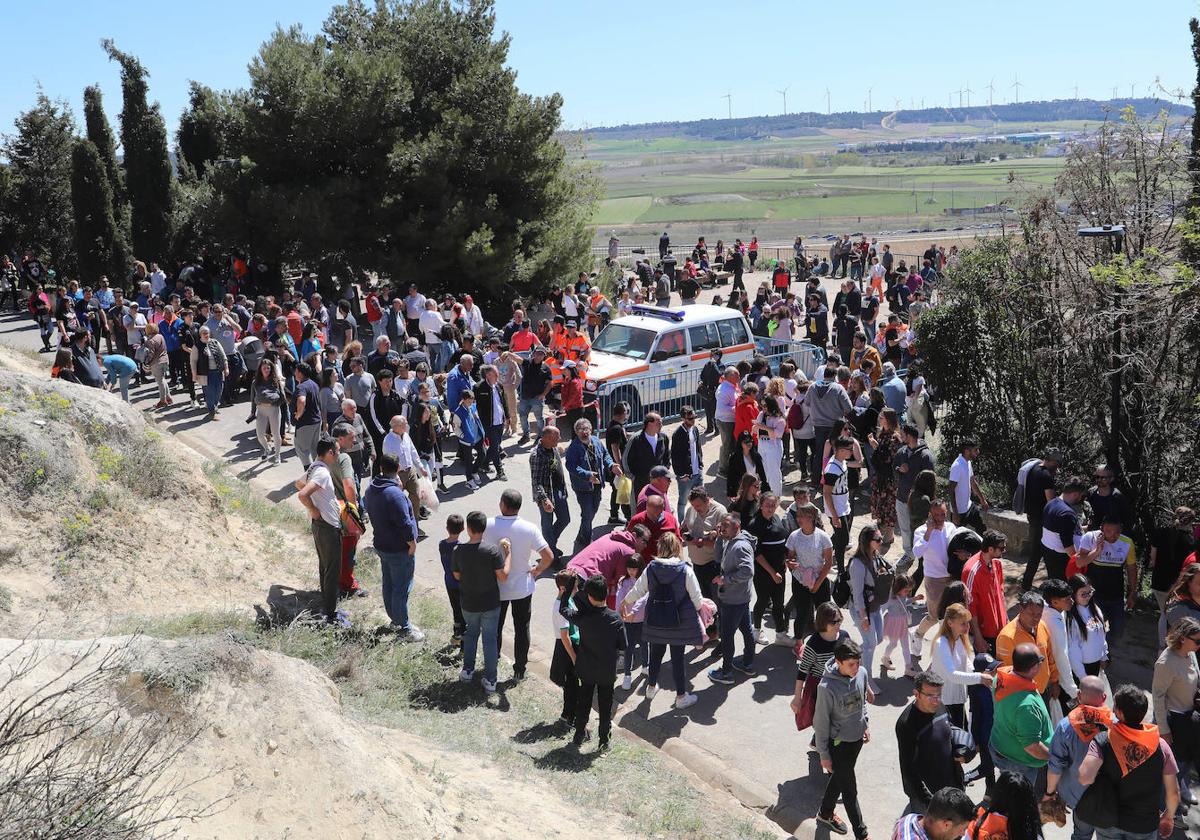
[[370, 391]]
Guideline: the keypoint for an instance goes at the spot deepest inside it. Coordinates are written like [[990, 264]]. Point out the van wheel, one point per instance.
[[626, 394]]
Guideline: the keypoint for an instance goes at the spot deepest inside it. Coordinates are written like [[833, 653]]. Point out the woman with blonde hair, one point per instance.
[[952, 661], [1173, 690]]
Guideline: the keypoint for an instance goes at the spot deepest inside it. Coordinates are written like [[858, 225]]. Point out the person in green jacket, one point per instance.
[[1021, 729]]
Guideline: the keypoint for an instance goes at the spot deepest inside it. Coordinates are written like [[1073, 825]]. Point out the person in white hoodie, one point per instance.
[[1058, 601]]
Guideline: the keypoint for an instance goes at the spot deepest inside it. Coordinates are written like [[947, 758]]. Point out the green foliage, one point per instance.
[[147, 164], [397, 140], [98, 243], [97, 129], [202, 128], [39, 201]]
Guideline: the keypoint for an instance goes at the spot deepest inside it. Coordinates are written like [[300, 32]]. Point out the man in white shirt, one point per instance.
[[516, 593], [414, 308], [317, 496], [931, 543], [727, 394], [158, 280], [962, 485], [398, 443], [1058, 600], [431, 324]]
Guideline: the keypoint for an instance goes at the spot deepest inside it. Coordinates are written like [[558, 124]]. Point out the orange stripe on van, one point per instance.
[[735, 349]]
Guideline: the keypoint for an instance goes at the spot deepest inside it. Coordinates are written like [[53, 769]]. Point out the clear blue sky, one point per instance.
[[622, 61]]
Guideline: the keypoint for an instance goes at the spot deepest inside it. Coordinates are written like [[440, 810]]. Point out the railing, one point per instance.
[[668, 392], [785, 255]]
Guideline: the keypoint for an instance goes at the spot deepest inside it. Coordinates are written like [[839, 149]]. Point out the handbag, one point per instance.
[[808, 702]]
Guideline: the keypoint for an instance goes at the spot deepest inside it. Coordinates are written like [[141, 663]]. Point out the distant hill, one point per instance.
[[810, 122]]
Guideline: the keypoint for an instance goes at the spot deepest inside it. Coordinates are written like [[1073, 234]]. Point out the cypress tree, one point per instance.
[[98, 131], [96, 237], [147, 161]]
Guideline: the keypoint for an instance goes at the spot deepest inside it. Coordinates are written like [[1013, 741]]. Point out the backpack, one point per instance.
[[662, 610], [1018, 499], [795, 417]]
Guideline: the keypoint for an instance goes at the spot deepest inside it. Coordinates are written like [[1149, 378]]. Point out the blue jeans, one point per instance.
[[589, 504], [212, 391], [122, 378], [870, 638], [1081, 830], [487, 624], [538, 407], [555, 522], [735, 618], [495, 439], [684, 486], [1002, 763], [1118, 834], [397, 568]]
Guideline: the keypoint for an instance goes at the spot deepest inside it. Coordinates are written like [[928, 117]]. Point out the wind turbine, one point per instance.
[[869, 99], [827, 108], [1016, 87], [784, 93], [967, 90], [728, 97], [1077, 91], [1114, 96], [990, 88]]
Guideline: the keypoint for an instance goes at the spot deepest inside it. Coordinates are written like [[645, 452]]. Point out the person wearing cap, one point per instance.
[[1040, 490], [659, 484], [576, 347], [589, 466]]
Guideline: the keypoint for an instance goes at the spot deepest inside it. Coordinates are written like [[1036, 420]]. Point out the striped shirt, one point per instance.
[[909, 828]]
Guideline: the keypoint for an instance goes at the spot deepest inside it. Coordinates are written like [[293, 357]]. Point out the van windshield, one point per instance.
[[624, 340]]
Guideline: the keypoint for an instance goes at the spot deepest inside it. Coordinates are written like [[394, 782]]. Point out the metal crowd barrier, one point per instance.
[[668, 392]]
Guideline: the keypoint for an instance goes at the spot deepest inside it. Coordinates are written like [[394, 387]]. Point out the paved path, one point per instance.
[[740, 736]]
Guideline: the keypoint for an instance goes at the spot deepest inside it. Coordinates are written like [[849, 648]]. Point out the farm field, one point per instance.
[[779, 187]]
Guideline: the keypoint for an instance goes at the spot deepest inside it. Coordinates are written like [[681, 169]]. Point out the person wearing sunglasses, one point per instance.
[[1106, 499]]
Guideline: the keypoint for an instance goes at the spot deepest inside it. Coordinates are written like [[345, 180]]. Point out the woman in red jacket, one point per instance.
[[746, 411]]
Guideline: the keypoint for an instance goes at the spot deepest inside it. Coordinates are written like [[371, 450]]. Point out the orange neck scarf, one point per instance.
[[1132, 745], [1008, 682], [1089, 721]]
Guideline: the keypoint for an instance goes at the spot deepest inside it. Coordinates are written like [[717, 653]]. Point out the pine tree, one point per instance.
[[96, 237], [201, 137], [39, 205], [147, 161]]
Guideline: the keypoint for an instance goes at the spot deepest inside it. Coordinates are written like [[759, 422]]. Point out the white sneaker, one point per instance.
[[472, 485], [783, 639], [886, 664], [488, 685], [466, 676], [682, 702], [651, 690], [627, 683]]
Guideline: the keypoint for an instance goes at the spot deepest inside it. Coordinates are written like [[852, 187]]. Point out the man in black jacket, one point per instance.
[[927, 761], [647, 450], [710, 379], [687, 458], [601, 638], [493, 413]]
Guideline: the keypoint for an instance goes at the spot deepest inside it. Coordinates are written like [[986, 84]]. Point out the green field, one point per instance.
[[664, 180]]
